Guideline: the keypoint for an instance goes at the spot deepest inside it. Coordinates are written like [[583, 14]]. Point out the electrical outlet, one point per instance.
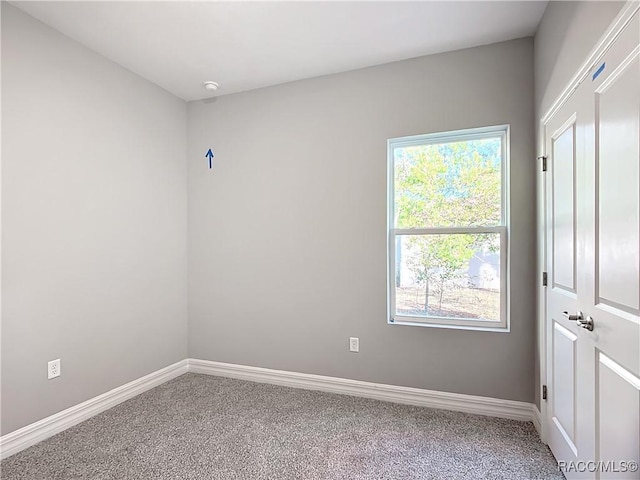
[[54, 369], [354, 344]]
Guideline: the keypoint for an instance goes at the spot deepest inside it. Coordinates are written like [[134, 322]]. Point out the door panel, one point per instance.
[[617, 180], [563, 205], [617, 417], [612, 229], [563, 350], [564, 399]]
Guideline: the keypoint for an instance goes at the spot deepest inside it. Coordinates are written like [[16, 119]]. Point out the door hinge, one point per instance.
[[544, 392], [544, 279], [544, 163]]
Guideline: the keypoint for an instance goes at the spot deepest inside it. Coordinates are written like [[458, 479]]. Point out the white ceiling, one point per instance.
[[245, 45]]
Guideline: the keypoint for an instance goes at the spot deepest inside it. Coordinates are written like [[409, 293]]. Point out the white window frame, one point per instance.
[[501, 131]]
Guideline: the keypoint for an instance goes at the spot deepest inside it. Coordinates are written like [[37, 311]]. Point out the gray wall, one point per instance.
[[566, 35], [94, 223], [287, 233]]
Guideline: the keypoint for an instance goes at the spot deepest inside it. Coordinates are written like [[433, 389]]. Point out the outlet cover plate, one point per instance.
[[354, 344], [53, 369]]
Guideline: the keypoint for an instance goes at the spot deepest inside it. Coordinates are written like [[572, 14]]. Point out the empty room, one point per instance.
[[320, 240]]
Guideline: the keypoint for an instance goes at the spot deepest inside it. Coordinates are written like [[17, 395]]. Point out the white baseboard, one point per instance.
[[537, 419], [412, 396], [36, 432]]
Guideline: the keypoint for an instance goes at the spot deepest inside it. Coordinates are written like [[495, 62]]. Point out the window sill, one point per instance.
[[498, 328]]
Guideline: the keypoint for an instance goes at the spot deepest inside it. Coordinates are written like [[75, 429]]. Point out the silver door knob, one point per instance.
[[580, 320], [574, 317], [586, 323]]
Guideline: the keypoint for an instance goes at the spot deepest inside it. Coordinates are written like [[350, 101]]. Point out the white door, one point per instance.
[[593, 296]]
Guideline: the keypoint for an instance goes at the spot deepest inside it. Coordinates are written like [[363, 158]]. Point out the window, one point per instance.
[[448, 198]]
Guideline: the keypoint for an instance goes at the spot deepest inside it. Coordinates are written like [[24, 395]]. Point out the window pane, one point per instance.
[[453, 184], [448, 275]]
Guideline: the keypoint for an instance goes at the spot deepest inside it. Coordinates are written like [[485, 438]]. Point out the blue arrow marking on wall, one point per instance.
[[210, 155]]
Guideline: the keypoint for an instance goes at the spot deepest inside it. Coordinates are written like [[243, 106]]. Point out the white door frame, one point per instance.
[[611, 34]]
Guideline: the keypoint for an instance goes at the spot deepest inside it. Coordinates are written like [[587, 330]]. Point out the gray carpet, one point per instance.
[[202, 427]]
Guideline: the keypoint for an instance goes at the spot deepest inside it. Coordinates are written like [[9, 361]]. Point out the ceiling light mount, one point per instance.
[[211, 86]]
